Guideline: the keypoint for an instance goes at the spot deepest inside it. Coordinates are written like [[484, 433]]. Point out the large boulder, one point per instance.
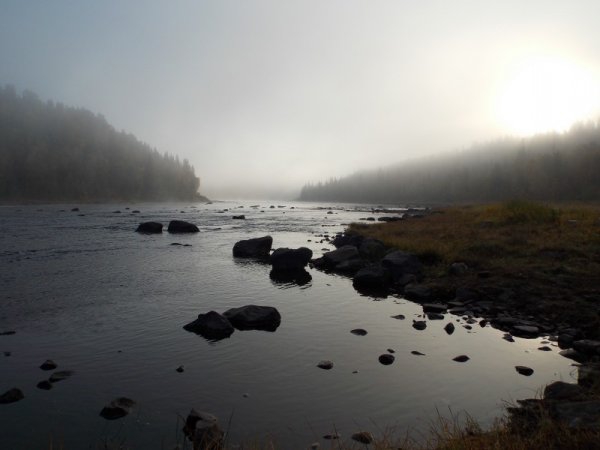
[[212, 326], [345, 259], [371, 278], [253, 317], [347, 239], [372, 249], [203, 430], [181, 226], [150, 228], [417, 292], [401, 263], [290, 259], [253, 248]]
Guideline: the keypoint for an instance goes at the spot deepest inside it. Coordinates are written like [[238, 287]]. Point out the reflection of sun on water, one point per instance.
[[548, 94]]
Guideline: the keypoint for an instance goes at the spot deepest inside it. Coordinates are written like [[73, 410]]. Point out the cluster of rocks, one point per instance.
[[214, 326], [575, 406], [175, 227], [15, 394], [287, 264]]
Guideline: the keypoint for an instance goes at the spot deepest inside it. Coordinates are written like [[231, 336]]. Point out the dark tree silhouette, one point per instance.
[[51, 152], [545, 167]]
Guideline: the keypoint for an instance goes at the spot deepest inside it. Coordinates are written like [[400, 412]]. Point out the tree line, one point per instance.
[[52, 152], [546, 167]]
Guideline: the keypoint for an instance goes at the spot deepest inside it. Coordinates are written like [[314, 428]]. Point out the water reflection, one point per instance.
[[284, 279]]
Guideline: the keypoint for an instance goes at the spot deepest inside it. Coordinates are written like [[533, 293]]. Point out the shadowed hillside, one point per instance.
[[550, 167], [51, 152]]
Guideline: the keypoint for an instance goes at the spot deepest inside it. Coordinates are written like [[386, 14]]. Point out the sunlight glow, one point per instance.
[[547, 94]]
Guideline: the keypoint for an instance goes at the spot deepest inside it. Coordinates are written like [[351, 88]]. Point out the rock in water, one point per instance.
[[449, 328], [386, 359], [60, 376], [325, 364], [48, 365], [359, 332], [364, 437], [181, 226], [203, 430], [253, 317], [461, 358], [118, 408], [11, 396], [253, 248], [523, 370], [44, 385], [240, 217], [369, 278], [212, 326], [150, 228], [290, 259], [419, 324]]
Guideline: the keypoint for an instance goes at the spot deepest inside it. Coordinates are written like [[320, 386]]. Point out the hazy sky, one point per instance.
[[262, 96]]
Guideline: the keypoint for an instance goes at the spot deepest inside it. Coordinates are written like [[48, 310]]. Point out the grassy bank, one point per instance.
[[546, 259]]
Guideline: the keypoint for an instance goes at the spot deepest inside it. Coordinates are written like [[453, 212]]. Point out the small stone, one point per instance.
[[467, 327], [391, 350], [325, 364], [48, 365], [45, 385], [482, 323], [386, 359], [7, 333], [180, 369], [461, 358], [355, 371], [419, 324], [449, 328], [7, 353], [508, 337], [545, 348], [399, 317], [245, 395], [364, 437], [332, 436], [523, 370], [417, 353], [359, 332]]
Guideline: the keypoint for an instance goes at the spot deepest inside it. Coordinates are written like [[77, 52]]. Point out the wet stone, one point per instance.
[[461, 358], [386, 359], [325, 364], [523, 370], [359, 332]]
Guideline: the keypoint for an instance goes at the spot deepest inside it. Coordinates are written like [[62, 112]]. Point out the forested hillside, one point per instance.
[[51, 152], [548, 167]]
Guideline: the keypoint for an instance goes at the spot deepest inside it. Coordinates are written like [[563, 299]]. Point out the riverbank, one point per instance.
[[528, 268]]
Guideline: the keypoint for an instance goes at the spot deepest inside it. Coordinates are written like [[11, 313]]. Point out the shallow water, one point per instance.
[[82, 288]]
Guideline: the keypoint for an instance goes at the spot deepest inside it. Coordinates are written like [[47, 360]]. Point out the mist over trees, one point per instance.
[[545, 167], [52, 152]]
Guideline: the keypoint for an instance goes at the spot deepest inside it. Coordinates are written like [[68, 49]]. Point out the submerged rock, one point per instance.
[[212, 326], [11, 396], [181, 226], [325, 364], [118, 408], [48, 365], [150, 228], [60, 376], [44, 385], [253, 317], [253, 248]]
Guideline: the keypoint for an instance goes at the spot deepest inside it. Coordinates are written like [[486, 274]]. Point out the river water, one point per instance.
[[82, 288]]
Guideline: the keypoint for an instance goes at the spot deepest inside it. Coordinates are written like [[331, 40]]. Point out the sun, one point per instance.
[[547, 94]]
